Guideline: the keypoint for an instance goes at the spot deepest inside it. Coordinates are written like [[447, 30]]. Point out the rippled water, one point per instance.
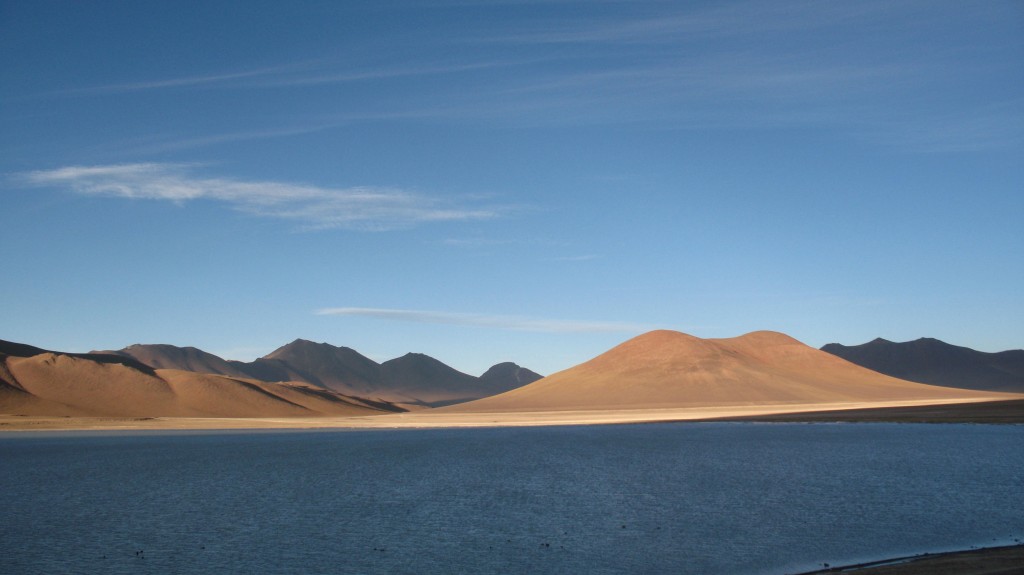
[[666, 498]]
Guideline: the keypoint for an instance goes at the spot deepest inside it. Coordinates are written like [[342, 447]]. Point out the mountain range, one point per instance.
[[411, 380], [659, 369], [35, 381], [935, 362], [669, 369]]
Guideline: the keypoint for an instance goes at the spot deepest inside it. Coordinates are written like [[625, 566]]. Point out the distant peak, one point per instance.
[[298, 346], [504, 367], [154, 346], [309, 345], [510, 373], [765, 337], [767, 334], [416, 356], [660, 335]]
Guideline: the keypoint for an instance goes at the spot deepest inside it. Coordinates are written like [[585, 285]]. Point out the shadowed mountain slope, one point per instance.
[[508, 375], [161, 356], [57, 384], [667, 369], [339, 368], [936, 362], [414, 379], [19, 349], [415, 375], [12, 349]]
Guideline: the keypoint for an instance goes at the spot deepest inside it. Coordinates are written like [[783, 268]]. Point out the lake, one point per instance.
[[701, 498]]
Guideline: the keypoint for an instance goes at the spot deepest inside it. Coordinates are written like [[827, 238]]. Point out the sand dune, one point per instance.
[[65, 385], [667, 369]]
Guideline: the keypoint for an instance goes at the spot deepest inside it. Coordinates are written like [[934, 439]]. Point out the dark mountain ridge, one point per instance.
[[929, 360], [503, 374], [13, 349], [413, 379], [320, 364]]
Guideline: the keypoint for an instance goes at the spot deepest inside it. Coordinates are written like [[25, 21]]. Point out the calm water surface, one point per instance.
[[666, 498]]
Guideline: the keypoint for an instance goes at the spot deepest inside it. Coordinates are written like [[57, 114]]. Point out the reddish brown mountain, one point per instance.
[[40, 382], [161, 356], [666, 369]]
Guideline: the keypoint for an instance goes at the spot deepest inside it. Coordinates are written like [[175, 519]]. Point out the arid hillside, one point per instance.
[[668, 369]]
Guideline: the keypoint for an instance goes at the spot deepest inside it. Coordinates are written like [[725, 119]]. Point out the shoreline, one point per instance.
[[949, 411], [999, 560]]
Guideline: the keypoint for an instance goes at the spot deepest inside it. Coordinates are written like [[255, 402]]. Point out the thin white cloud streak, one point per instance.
[[682, 69], [364, 208], [994, 127], [152, 145], [506, 322], [307, 73], [728, 66], [187, 81], [737, 19], [582, 258], [383, 74], [166, 144], [478, 242]]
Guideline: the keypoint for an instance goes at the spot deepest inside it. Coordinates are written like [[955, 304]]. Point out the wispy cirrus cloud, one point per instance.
[[303, 73], [1000, 125], [314, 207], [579, 258], [193, 81], [507, 322], [157, 144], [718, 21]]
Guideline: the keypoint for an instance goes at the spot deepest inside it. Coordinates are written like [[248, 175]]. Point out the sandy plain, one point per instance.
[[955, 410]]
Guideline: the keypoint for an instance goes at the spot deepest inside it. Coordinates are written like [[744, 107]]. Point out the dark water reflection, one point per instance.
[[666, 498]]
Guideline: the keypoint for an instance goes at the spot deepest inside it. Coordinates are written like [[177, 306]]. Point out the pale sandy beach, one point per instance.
[[448, 419]]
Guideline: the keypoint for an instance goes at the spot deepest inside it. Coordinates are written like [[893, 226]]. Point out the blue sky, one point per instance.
[[531, 181]]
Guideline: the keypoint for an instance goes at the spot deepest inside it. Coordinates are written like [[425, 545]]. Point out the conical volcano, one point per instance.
[[668, 369]]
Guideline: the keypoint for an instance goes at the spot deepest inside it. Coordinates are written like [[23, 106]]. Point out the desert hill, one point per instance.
[[39, 382], [668, 369], [339, 368], [508, 375], [936, 362], [413, 379], [160, 356]]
